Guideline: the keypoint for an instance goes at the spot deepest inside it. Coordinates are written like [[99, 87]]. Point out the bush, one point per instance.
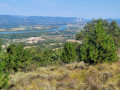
[[3, 76], [99, 47], [16, 58], [69, 53], [45, 57]]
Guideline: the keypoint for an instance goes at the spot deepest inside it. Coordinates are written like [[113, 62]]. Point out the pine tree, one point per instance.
[[99, 47], [3, 74], [111, 28], [69, 53], [17, 58]]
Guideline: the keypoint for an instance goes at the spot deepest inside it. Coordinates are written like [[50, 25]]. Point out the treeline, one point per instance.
[[100, 41]]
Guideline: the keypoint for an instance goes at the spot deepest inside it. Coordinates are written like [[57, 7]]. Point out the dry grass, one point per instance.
[[20, 28], [2, 29], [75, 76]]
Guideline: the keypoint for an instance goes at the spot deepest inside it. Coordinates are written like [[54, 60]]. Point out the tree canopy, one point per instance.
[[98, 46], [69, 53], [16, 57], [111, 28]]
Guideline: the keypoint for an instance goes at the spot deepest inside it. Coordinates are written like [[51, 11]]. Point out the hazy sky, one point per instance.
[[64, 8]]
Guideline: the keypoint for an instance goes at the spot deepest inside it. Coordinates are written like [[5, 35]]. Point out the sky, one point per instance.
[[62, 8]]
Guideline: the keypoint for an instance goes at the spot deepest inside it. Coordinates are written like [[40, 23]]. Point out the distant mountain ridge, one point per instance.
[[117, 20], [9, 21]]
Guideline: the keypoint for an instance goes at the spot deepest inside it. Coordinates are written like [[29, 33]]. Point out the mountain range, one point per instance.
[[9, 21]]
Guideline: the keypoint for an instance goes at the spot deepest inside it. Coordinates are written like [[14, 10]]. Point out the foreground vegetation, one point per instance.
[[75, 76], [95, 64]]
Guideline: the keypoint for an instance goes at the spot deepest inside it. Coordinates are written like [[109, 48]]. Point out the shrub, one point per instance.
[[3, 76], [16, 58], [69, 53], [45, 57]]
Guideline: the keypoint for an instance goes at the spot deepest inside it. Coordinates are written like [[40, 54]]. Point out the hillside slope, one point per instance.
[[75, 76]]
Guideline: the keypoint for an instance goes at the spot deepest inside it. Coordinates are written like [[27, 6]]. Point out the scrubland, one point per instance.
[[74, 76]]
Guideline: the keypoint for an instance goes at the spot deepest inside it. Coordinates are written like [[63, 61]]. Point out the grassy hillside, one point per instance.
[[75, 76]]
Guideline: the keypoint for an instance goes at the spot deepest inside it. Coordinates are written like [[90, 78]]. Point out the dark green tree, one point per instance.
[[46, 56], [16, 57], [3, 74], [99, 47], [114, 30], [111, 28], [69, 53], [80, 36]]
